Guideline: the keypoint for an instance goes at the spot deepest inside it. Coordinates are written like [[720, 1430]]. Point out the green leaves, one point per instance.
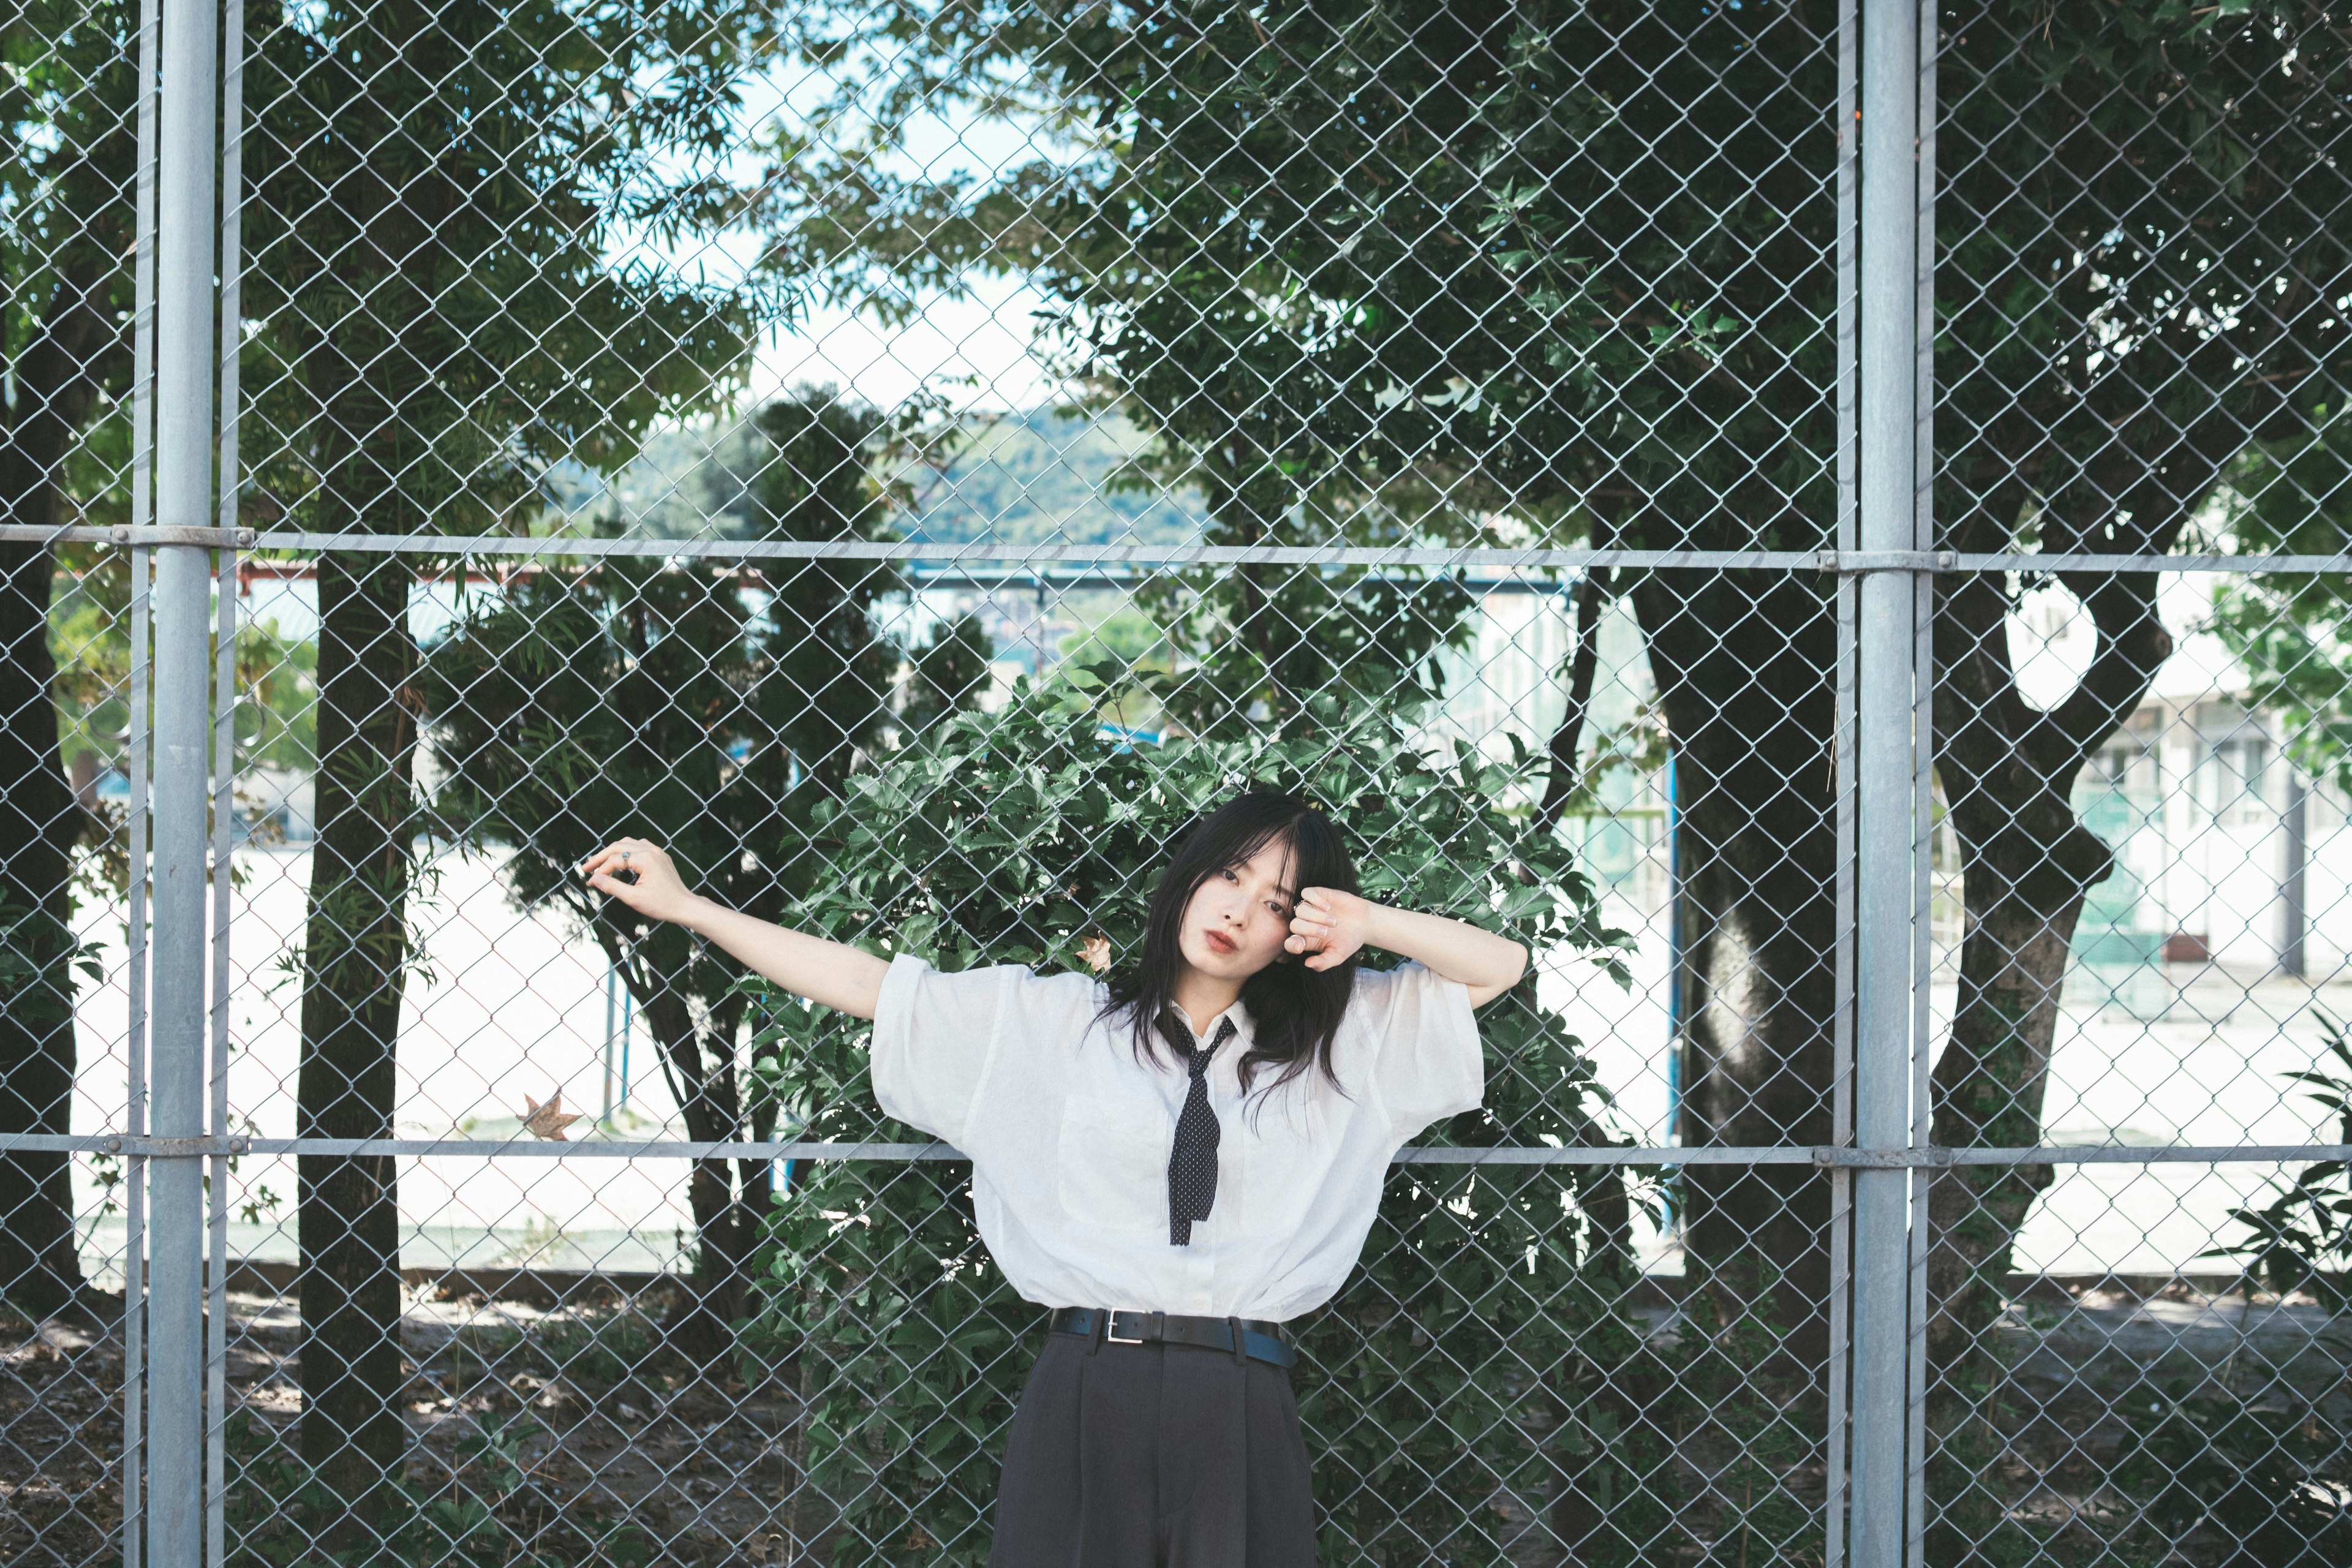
[[436, 203], [489, 1514], [2252, 1469], [39, 961], [1488, 1297], [2294, 495], [2301, 1239]]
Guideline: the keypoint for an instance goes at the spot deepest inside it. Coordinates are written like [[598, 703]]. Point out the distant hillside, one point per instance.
[[1018, 478], [1040, 474]]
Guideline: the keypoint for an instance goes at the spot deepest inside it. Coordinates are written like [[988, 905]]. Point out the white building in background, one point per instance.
[[277, 806], [2228, 852], [2225, 852]]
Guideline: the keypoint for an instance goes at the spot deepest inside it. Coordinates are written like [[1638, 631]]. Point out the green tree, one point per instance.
[[68, 154], [705, 710], [1582, 256], [447, 212], [949, 674], [2288, 629], [1177, 307], [1020, 837], [2116, 332], [1381, 268]]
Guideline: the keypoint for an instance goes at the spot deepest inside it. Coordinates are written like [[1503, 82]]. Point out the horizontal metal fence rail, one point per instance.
[[1824, 1155], [1160, 557]]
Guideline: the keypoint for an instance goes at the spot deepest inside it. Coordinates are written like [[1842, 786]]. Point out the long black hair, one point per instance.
[[1295, 1010]]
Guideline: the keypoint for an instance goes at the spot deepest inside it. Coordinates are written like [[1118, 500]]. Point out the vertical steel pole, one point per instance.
[[183, 472], [1884, 627], [1923, 764], [223, 816], [224, 802], [619, 1015], [134, 1173], [1676, 992], [1841, 1326], [134, 1167]]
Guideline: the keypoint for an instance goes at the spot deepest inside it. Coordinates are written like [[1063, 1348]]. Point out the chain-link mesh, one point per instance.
[[910, 460]]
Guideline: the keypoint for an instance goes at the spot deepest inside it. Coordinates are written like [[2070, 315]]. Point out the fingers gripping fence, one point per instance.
[[1829, 526]]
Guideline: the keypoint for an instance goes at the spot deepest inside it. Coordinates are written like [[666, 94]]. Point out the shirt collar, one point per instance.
[[1244, 1030], [1245, 1027]]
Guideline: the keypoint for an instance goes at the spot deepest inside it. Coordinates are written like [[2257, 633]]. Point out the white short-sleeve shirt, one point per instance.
[[1069, 1133]]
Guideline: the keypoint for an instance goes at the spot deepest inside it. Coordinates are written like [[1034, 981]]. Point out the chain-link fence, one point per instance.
[[1830, 525]]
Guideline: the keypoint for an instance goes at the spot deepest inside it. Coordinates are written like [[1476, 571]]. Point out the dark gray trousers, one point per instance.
[[1153, 1457]]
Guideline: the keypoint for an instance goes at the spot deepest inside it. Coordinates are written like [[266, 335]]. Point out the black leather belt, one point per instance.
[[1260, 1340]]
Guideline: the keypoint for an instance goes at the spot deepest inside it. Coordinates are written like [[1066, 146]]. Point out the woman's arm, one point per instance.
[[831, 973], [1331, 925]]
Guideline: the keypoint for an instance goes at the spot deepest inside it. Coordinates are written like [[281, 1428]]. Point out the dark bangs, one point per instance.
[[1295, 1010]]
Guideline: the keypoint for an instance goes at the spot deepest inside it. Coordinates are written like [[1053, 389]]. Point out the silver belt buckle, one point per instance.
[[1110, 1328]]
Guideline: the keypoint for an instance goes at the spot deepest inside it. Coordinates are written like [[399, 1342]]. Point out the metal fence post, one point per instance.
[[135, 823], [1883, 912], [183, 472]]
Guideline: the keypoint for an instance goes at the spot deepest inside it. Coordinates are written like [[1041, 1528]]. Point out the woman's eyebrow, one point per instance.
[[1289, 895]]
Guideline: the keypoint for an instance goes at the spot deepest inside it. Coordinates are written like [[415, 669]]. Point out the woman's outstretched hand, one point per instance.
[[825, 971], [1328, 926], [657, 892]]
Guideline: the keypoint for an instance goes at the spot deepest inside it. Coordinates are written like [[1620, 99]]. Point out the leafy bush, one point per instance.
[[39, 961], [281, 1513], [2255, 1473], [1471, 1355], [2301, 1239], [594, 1350]]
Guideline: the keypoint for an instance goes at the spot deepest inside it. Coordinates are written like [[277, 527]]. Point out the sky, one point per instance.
[[974, 351]]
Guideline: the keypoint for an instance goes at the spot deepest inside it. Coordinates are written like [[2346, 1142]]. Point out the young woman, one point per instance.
[[1176, 1163]]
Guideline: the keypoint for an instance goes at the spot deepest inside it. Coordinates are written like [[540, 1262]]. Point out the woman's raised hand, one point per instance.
[[657, 893], [1330, 926]]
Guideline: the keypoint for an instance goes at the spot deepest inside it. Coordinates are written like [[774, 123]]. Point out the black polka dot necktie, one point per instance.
[[1193, 1162]]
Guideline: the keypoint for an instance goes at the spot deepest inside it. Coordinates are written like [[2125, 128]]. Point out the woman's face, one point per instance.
[[1238, 920]]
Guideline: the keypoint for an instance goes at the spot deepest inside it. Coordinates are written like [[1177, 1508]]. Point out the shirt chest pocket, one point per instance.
[[1286, 1147], [1112, 1164]]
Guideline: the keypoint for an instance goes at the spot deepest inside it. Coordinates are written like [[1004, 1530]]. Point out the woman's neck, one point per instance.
[[1203, 997]]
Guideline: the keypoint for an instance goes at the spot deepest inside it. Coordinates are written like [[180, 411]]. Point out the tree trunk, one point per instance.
[[1988, 1088], [40, 1270], [730, 1206], [1561, 782], [355, 959], [2026, 863], [727, 1218], [1743, 664], [57, 377], [366, 367]]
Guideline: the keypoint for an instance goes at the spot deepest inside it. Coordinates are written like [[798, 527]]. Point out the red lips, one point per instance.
[[1220, 943]]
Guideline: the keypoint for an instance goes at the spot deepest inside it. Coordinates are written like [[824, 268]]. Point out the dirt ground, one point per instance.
[[577, 1441], [576, 1437]]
